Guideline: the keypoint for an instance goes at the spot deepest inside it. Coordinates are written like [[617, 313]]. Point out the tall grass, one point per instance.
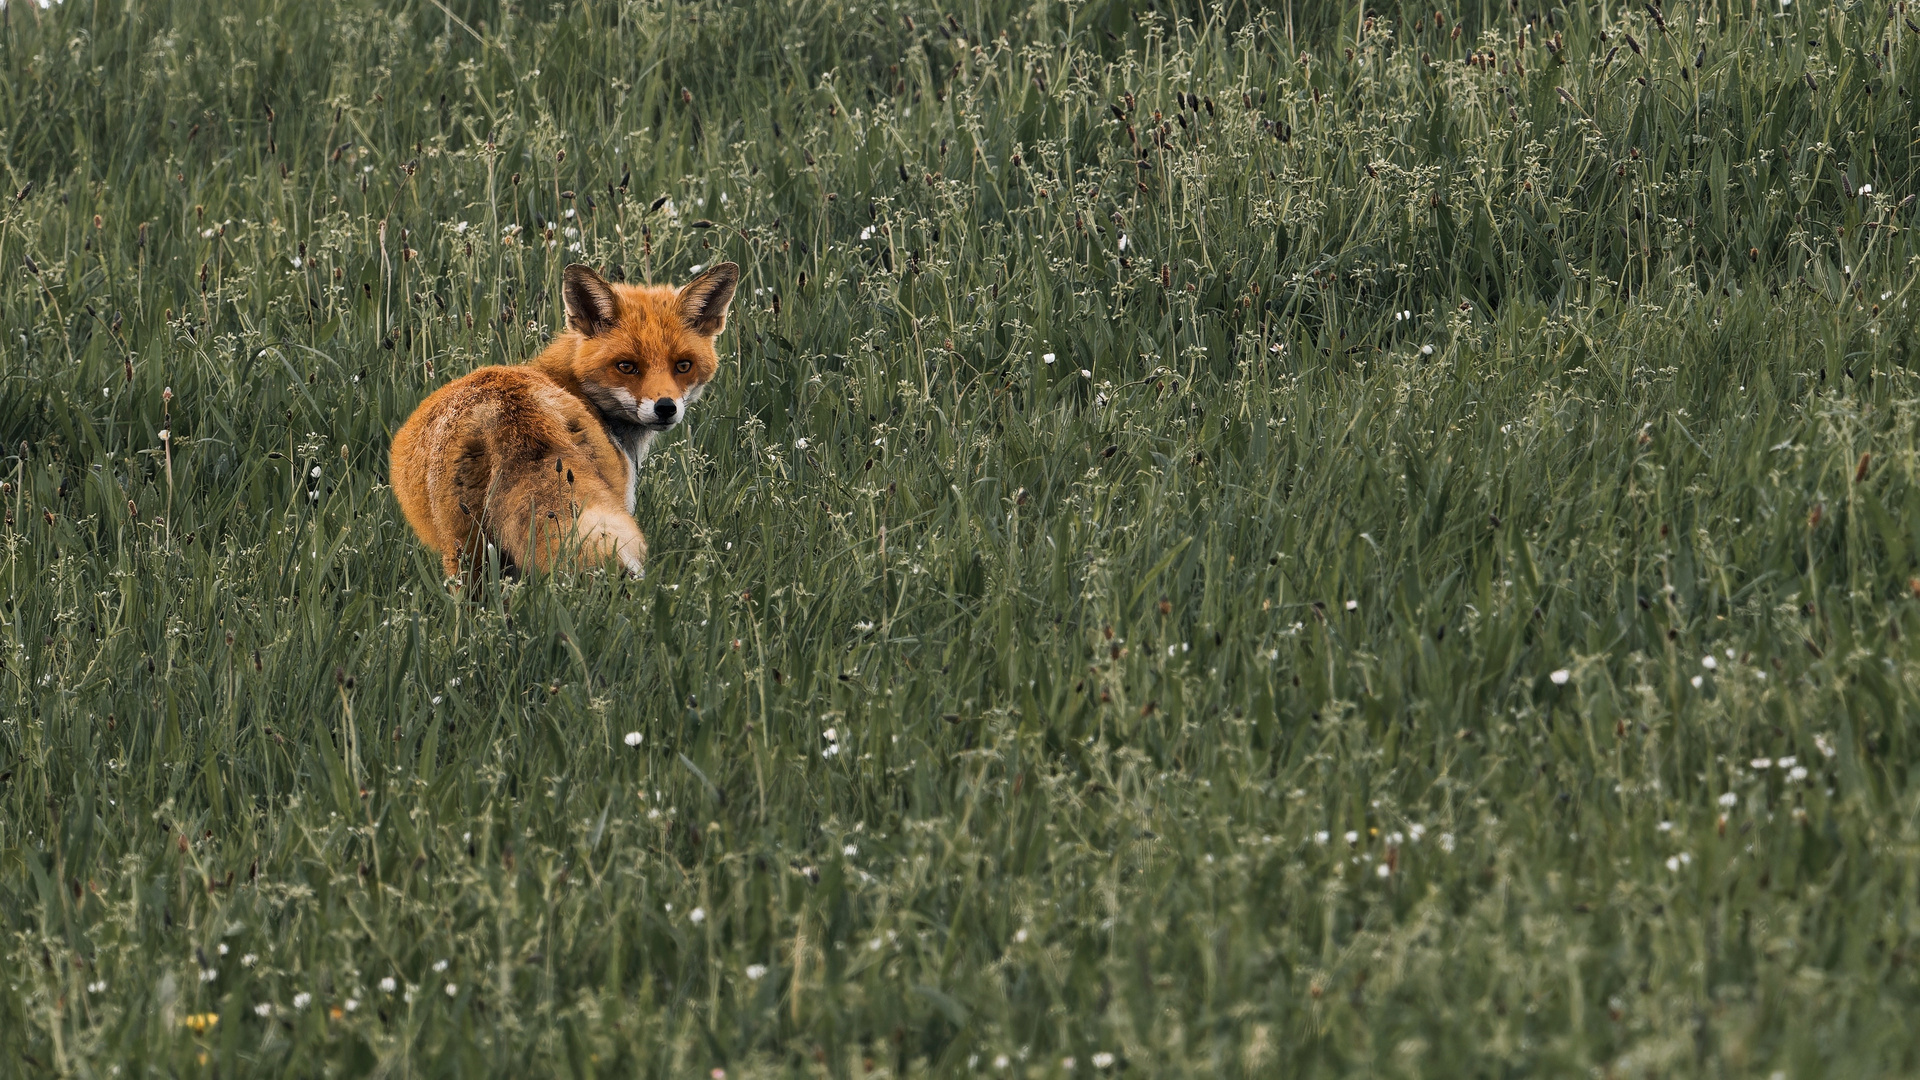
[[1245, 540]]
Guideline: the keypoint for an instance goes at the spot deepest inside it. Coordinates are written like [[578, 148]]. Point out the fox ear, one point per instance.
[[591, 307], [704, 300]]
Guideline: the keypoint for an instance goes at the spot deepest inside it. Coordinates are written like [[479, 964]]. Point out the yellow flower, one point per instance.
[[200, 1022]]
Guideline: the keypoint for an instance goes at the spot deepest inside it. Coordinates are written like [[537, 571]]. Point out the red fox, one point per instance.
[[540, 458]]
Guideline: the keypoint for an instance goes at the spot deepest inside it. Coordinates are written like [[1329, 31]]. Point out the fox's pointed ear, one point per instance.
[[704, 300], [591, 306]]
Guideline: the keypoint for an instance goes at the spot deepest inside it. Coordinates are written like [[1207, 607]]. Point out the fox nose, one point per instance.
[[665, 408]]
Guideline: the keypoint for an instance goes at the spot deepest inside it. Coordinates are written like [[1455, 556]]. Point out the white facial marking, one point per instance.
[[625, 399]]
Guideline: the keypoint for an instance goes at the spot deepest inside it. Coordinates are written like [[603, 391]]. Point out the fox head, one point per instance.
[[644, 353]]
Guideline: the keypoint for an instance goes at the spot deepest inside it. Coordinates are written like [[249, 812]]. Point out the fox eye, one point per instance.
[[627, 367], [683, 366]]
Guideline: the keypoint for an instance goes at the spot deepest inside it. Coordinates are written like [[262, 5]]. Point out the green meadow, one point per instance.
[[1289, 540]]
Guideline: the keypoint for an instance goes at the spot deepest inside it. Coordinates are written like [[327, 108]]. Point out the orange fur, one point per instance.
[[538, 459]]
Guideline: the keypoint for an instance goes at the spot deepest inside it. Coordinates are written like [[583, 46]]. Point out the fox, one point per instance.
[[540, 460]]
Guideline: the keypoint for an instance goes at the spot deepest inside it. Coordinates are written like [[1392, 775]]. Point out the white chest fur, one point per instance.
[[635, 451]]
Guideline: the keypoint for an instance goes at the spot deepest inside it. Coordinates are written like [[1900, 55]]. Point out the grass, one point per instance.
[[1438, 600]]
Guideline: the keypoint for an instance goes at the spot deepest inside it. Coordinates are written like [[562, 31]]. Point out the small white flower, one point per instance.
[[830, 735], [460, 227], [407, 995], [866, 233], [302, 999], [696, 268], [800, 443], [1352, 837], [1103, 1060], [221, 948], [874, 945], [633, 738], [1000, 1061], [297, 262], [206, 234], [437, 699], [850, 851], [1665, 826], [1086, 373], [97, 987], [352, 1004], [1048, 358], [1761, 764], [1709, 662], [1383, 870], [1020, 935], [1446, 842], [1560, 677], [1415, 832], [207, 975], [1788, 762], [697, 915], [1353, 605], [263, 1009], [1729, 800], [756, 972], [1866, 189], [1067, 1063], [1673, 863], [1697, 681], [387, 985], [439, 965], [453, 990], [1426, 350], [1123, 242], [1797, 773], [830, 751], [1826, 748]]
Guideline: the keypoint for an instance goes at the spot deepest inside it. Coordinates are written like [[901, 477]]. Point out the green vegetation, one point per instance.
[[1227, 542]]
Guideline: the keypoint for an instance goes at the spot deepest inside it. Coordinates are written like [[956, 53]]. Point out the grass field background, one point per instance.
[[1247, 541]]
